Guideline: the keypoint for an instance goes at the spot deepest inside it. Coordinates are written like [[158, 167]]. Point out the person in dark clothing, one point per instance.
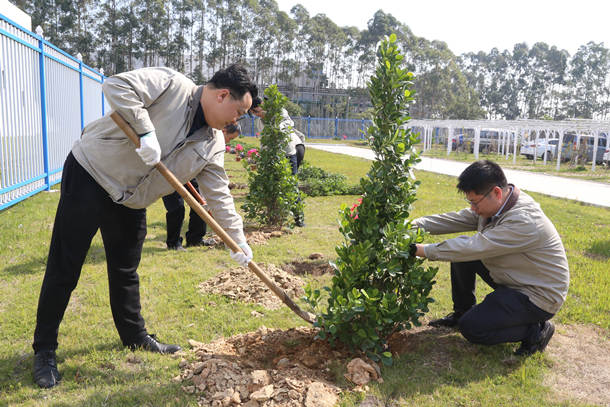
[[174, 217]]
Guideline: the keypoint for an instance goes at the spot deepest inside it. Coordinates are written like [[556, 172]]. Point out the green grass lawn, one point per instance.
[[438, 369]]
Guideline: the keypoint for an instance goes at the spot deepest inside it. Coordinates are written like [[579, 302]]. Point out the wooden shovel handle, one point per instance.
[[224, 236]]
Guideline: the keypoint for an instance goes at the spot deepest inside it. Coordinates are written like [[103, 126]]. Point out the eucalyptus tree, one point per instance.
[[198, 41], [284, 50], [263, 35], [587, 88]]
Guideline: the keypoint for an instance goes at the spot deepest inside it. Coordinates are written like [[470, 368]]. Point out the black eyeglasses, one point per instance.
[[476, 204]]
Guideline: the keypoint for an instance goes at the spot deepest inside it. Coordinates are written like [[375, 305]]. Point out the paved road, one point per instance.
[[594, 193]]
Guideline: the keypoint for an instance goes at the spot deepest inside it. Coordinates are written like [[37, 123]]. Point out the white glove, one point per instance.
[[150, 150], [242, 258]]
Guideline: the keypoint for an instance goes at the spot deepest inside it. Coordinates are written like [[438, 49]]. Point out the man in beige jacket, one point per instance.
[[516, 250], [107, 185]]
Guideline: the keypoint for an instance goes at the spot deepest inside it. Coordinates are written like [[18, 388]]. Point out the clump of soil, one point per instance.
[[239, 284], [269, 367], [314, 268]]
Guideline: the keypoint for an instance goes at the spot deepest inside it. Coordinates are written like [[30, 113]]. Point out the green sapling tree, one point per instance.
[[379, 286], [273, 196]]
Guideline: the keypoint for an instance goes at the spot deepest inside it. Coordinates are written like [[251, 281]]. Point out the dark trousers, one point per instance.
[[84, 207], [300, 154], [505, 315], [174, 205], [295, 161]]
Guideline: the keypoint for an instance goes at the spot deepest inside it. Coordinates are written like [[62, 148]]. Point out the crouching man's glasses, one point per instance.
[[477, 202]]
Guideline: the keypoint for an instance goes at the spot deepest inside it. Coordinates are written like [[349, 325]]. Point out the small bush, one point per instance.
[[314, 181]]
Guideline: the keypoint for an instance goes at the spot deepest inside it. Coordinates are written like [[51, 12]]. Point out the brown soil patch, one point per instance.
[[259, 236], [263, 368], [237, 185], [314, 268], [239, 284], [580, 355], [255, 236]]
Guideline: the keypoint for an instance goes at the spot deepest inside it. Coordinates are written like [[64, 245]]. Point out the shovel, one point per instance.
[[198, 208]]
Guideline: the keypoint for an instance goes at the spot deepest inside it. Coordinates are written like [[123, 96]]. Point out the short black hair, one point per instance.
[[480, 176], [235, 78], [256, 102]]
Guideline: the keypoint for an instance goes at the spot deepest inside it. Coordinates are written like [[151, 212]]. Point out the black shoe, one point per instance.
[[178, 247], [450, 320], [527, 348], [151, 344], [46, 374], [203, 242]]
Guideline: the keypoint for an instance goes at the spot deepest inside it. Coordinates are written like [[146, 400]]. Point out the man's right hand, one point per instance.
[[150, 150]]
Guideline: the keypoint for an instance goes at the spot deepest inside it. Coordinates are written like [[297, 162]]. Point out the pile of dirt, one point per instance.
[[253, 237], [269, 367], [313, 268], [237, 185], [239, 284]]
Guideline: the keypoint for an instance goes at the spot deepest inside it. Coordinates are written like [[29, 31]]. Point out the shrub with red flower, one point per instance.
[[228, 148], [354, 211], [239, 148], [252, 151], [344, 137]]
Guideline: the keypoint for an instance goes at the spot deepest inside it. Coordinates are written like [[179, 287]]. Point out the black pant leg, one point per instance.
[[123, 230], [197, 227], [463, 283], [174, 204], [76, 222], [300, 154], [292, 159], [505, 315]]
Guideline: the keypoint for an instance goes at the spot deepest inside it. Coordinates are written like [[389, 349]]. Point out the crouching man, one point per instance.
[[107, 185], [516, 250]]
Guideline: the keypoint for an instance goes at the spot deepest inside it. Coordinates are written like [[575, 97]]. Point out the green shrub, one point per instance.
[[273, 196], [379, 286], [315, 181]]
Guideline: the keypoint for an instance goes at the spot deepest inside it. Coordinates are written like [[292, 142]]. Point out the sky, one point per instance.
[[479, 25]]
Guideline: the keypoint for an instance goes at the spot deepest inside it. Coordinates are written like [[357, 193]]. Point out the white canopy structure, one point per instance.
[[512, 132]]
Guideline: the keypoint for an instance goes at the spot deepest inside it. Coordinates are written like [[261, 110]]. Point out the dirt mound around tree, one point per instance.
[[240, 284], [268, 368]]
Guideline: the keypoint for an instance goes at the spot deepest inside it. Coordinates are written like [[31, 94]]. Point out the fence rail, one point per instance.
[[42, 110]]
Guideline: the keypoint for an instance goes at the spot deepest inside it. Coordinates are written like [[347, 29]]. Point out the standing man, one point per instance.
[[516, 250], [107, 185]]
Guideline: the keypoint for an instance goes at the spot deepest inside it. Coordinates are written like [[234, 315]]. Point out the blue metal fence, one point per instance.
[[46, 98], [316, 127]]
